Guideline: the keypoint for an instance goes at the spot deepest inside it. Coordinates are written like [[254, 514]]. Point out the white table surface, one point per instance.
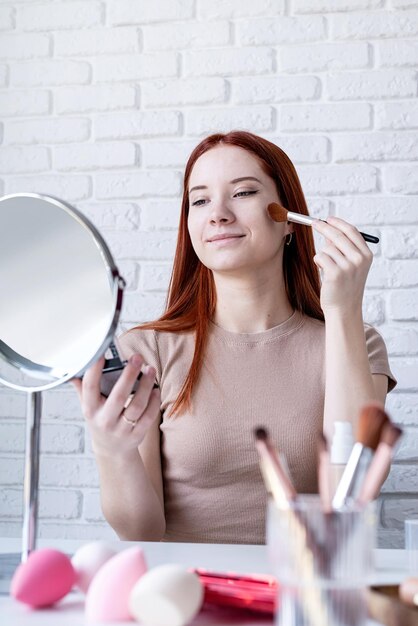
[[391, 567]]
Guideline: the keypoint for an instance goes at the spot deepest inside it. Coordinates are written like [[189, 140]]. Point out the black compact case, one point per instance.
[[112, 370]]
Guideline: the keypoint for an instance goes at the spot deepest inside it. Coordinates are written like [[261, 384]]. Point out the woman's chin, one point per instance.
[[229, 268]]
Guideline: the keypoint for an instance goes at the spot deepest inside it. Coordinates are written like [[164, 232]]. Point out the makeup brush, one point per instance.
[[275, 477], [371, 421], [306, 548], [279, 214], [380, 464]]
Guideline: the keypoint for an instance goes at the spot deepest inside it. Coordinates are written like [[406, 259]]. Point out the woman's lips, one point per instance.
[[225, 240]]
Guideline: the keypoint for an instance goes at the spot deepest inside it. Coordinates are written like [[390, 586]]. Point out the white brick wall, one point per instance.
[[101, 104]]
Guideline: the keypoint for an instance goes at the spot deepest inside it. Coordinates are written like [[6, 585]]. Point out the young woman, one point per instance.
[[250, 336]]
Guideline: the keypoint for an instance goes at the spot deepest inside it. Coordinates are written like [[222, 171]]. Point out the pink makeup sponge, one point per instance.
[[107, 599], [46, 577], [88, 560]]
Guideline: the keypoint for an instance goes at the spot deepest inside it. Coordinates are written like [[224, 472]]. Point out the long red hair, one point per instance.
[[191, 296]]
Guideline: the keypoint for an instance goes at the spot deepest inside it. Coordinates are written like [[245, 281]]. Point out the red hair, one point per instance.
[[191, 296]]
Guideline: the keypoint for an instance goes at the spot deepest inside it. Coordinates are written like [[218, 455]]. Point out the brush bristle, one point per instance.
[[277, 212], [260, 433], [371, 422], [390, 434]]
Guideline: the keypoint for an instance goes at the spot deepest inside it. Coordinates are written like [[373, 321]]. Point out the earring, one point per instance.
[[289, 239]]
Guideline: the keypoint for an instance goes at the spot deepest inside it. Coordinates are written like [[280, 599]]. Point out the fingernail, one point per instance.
[[136, 360]]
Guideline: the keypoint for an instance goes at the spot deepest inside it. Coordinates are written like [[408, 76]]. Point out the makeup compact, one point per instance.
[[112, 369]]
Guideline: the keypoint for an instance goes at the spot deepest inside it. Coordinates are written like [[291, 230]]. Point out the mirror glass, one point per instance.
[[60, 292]]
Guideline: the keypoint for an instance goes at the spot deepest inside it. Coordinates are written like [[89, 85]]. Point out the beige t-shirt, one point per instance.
[[213, 489]]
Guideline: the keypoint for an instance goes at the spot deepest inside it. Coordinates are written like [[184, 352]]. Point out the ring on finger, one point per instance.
[[132, 423]]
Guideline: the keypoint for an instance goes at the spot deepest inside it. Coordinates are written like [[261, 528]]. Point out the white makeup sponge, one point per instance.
[[88, 560], [167, 595]]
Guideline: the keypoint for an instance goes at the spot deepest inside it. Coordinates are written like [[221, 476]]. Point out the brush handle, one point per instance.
[[376, 473], [307, 220], [369, 238], [366, 236], [353, 476]]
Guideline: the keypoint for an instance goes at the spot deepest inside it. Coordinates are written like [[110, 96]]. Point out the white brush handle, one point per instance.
[[307, 220], [353, 476], [298, 218]]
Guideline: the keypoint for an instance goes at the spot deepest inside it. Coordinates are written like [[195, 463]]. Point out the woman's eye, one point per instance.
[[242, 194], [246, 193]]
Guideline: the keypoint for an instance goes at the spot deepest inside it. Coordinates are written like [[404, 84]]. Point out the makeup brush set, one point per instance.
[[324, 542], [321, 546], [365, 471]]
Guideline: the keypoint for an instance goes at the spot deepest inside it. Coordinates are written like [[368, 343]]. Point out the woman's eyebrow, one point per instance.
[[236, 180]]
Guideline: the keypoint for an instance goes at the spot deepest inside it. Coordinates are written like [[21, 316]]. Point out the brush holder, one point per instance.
[[322, 561]]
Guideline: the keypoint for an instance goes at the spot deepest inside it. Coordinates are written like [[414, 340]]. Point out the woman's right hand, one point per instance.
[[114, 429]]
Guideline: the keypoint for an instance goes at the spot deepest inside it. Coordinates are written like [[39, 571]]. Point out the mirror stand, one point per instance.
[[31, 478], [10, 561]]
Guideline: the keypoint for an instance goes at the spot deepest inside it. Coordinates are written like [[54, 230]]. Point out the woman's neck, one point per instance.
[[250, 304]]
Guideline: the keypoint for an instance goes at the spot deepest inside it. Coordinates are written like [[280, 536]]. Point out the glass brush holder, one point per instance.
[[322, 562]]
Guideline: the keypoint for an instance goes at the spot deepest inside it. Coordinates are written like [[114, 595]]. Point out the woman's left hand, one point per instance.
[[344, 262]]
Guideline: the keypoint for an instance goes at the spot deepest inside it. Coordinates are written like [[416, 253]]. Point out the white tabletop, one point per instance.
[[390, 568]]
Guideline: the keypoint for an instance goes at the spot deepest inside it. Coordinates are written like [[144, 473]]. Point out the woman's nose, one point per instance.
[[220, 213]]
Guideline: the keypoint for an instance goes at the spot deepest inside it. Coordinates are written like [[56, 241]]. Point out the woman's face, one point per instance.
[[228, 198]]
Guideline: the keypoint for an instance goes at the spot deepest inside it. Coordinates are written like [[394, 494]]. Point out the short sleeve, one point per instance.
[[378, 355], [141, 341]]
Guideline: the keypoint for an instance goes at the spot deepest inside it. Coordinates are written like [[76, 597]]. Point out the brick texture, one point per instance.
[[103, 101]]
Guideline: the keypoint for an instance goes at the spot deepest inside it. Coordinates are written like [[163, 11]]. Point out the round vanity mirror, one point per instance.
[[61, 296], [60, 292]]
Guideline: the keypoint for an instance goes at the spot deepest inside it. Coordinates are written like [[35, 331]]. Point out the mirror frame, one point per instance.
[[116, 283]]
